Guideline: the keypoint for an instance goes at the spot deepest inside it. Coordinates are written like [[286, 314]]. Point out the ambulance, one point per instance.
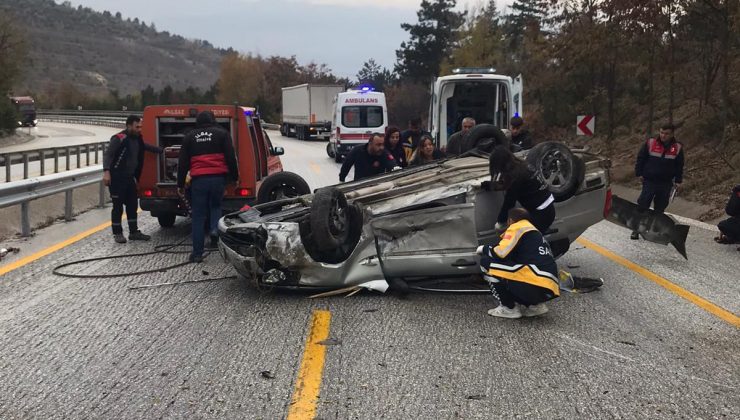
[[357, 114]]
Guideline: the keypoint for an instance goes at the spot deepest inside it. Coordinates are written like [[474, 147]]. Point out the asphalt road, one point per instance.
[[93, 348], [48, 135]]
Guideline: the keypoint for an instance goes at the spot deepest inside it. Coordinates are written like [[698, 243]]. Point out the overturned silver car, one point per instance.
[[410, 225]]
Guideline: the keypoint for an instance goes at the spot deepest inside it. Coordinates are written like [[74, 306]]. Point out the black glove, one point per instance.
[[485, 185]]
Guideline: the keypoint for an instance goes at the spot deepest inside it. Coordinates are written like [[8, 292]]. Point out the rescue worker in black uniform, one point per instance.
[[522, 185], [520, 136], [729, 229], [122, 165], [207, 152], [368, 159], [520, 268], [660, 165]]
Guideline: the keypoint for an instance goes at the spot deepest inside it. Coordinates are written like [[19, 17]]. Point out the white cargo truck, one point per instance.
[[308, 110]]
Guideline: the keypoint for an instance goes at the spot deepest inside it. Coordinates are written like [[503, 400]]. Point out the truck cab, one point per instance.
[[25, 107], [479, 93], [260, 171]]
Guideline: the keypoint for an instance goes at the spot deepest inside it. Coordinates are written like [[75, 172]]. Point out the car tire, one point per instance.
[[282, 185], [167, 220], [329, 219], [329, 150], [337, 254], [557, 167], [484, 137]]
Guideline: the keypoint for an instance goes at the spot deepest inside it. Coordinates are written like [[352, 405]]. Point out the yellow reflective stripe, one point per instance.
[[514, 233], [526, 275]]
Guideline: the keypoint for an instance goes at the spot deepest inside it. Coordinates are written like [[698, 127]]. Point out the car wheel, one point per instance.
[[484, 137], [339, 253], [282, 185], [329, 219], [557, 167], [167, 220], [329, 150]]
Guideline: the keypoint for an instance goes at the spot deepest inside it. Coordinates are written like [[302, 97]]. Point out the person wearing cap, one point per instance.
[[520, 136], [207, 152]]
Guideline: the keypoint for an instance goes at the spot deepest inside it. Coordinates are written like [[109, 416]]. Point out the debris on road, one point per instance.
[[267, 374], [476, 397], [175, 283], [330, 342], [6, 251]]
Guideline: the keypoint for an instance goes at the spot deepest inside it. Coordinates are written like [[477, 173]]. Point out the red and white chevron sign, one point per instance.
[[585, 125]]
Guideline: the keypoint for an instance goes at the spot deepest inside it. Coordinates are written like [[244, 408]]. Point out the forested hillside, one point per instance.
[[96, 52]]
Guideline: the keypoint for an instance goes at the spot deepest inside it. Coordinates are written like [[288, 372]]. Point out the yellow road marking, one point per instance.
[[314, 167], [56, 247], [679, 291], [308, 384]]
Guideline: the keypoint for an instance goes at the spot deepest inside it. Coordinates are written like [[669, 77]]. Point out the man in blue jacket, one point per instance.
[[660, 165], [368, 159]]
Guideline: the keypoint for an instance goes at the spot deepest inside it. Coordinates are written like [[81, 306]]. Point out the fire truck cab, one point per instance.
[[261, 175]]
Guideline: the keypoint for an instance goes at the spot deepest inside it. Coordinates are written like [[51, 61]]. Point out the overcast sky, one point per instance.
[[341, 33]]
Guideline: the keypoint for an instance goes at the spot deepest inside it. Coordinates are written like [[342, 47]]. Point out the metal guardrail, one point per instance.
[[24, 191], [41, 155]]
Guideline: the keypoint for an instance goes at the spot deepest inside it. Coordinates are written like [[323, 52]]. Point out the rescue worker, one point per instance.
[[122, 165], [511, 174], [729, 229], [455, 142], [369, 159], [520, 136], [394, 147], [411, 136], [208, 153], [660, 165], [520, 269]]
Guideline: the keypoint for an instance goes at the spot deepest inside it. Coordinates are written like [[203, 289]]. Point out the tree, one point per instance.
[[431, 40], [482, 44], [12, 56], [376, 75], [241, 79]]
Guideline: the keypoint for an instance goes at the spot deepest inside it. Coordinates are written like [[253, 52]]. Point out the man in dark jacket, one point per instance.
[[369, 159], [208, 153], [411, 136], [660, 165], [122, 166], [520, 268], [729, 229], [455, 142], [519, 135]]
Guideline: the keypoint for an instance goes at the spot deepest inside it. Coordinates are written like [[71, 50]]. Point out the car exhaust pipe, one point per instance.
[[655, 227]]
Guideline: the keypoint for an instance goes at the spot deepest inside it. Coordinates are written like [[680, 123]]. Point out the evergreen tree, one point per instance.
[[431, 40], [373, 73]]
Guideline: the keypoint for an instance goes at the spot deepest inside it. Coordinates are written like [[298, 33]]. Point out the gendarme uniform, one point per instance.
[[521, 265]]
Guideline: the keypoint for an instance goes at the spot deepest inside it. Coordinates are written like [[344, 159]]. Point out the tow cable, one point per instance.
[[159, 249]]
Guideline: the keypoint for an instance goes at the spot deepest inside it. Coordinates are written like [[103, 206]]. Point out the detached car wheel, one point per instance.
[[329, 219], [167, 220], [282, 185], [557, 166], [484, 137]]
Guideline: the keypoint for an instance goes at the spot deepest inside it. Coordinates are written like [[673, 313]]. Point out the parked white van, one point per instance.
[[357, 114], [480, 93]]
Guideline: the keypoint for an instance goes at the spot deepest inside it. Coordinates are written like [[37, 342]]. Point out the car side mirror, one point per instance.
[[277, 151]]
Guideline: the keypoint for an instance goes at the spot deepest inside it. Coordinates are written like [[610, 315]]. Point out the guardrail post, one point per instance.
[[42, 161], [25, 220], [87, 154], [56, 160], [66, 152], [79, 156], [8, 163], [101, 192], [68, 205], [25, 166], [97, 153]]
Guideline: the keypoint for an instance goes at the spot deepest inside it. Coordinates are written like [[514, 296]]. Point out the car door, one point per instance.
[[431, 242]]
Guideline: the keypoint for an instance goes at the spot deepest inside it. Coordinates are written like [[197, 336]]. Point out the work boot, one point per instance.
[[502, 311], [214, 241], [534, 310], [635, 236], [119, 238], [197, 259], [138, 236]]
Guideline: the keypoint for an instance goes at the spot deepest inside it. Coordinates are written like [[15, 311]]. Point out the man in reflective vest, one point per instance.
[[520, 268], [660, 165]]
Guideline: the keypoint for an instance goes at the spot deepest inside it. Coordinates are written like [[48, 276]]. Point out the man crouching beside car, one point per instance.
[[520, 268]]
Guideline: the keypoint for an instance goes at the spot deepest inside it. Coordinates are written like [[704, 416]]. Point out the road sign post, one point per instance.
[[585, 125]]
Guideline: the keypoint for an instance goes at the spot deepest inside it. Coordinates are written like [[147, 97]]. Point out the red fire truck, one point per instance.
[[261, 175]]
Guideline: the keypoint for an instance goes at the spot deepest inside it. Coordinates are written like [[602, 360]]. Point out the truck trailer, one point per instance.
[[307, 110]]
